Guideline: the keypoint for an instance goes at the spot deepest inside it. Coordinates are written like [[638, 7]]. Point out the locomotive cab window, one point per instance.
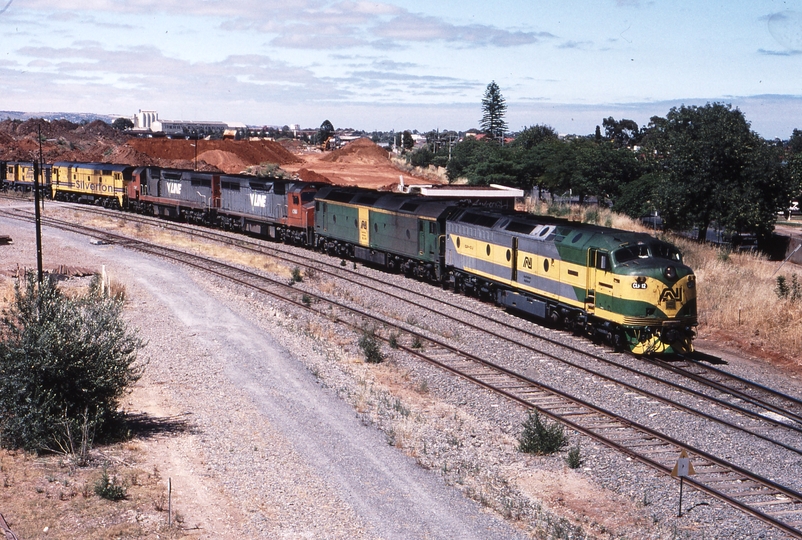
[[666, 251], [630, 253], [295, 199], [602, 261]]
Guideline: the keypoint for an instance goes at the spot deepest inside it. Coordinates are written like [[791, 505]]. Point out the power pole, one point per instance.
[[37, 170]]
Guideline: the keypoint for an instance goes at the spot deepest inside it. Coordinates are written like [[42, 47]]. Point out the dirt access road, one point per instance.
[[269, 452]]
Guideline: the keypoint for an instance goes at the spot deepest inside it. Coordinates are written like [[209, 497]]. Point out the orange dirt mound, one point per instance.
[[359, 151], [311, 176], [227, 162], [250, 152]]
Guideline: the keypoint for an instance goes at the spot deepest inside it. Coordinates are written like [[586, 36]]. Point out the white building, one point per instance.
[[143, 120]]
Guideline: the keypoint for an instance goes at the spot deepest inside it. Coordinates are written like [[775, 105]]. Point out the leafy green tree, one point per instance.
[[714, 168], [122, 124], [482, 163], [621, 132], [637, 199], [765, 187], [423, 157], [533, 136], [602, 170], [325, 132], [64, 363], [795, 174], [559, 163], [407, 142], [795, 142], [493, 109]]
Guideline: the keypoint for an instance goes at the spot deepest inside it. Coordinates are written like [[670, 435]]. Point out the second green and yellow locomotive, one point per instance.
[[629, 289]]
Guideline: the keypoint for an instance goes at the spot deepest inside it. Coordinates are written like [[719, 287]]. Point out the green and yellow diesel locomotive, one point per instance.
[[631, 289]]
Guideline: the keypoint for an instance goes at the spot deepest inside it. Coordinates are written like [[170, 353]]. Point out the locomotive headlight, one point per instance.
[[670, 273]]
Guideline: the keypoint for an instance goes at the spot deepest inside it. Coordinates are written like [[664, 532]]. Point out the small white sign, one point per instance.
[[684, 467]]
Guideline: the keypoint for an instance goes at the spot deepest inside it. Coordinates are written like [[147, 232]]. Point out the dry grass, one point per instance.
[[6, 291], [47, 497], [436, 175], [738, 300]]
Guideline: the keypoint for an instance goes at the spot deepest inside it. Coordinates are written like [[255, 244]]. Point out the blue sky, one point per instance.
[[395, 64]]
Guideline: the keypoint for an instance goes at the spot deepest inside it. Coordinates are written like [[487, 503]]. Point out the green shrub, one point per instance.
[[65, 363], [541, 438], [558, 210], [297, 277], [107, 489], [782, 289], [370, 347], [574, 458], [786, 291]]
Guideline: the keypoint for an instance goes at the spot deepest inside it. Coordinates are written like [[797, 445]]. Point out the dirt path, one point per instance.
[[270, 453]]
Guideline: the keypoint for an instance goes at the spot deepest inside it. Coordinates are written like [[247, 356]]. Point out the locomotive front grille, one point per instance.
[[648, 321]]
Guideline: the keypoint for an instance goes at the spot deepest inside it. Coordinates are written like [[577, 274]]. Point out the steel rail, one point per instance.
[[730, 389]]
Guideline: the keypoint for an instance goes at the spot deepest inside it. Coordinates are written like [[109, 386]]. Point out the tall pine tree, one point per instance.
[[493, 109]]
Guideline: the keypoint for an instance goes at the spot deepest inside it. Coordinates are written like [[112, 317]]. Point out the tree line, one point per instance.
[[697, 166]]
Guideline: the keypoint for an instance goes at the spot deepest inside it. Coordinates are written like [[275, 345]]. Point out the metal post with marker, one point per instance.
[[169, 502], [682, 469], [37, 170]]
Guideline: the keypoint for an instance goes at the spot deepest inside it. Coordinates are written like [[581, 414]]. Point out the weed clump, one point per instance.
[[786, 291], [108, 490], [297, 277], [574, 459], [539, 437], [369, 344]]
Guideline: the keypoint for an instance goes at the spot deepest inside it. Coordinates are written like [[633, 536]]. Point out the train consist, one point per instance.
[[628, 289]]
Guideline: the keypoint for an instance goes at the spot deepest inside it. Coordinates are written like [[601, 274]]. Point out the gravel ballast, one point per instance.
[[284, 415]]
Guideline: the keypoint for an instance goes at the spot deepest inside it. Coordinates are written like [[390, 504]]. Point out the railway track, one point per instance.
[[769, 412], [775, 504], [787, 408]]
